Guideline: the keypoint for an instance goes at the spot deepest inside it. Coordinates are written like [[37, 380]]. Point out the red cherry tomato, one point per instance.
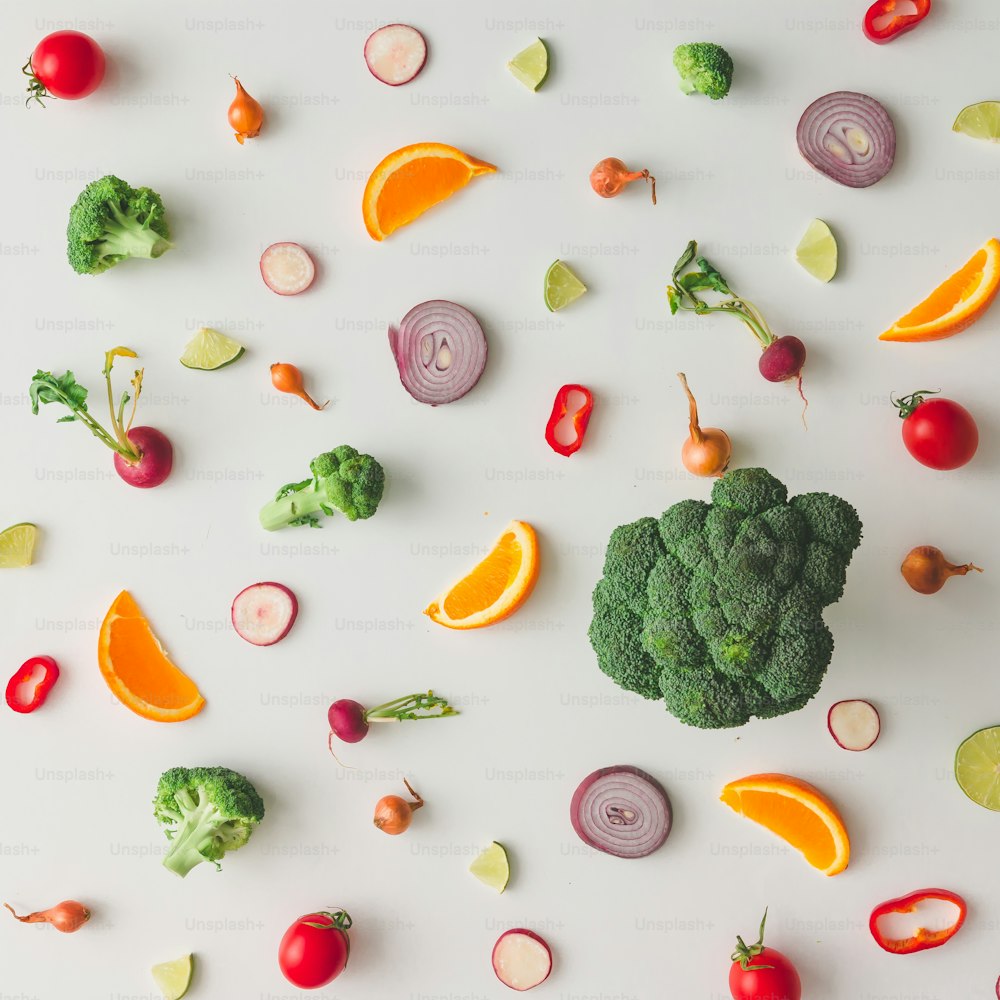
[[315, 949], [938, 433], [66, 64], [760, 973]]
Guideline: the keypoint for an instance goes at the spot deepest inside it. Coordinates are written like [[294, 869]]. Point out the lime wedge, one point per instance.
[[977, 767], [209, 350], [817, 251], [17, 545], [562, 286], [531, 65], [174, 978], [492, 867], [980, 121]]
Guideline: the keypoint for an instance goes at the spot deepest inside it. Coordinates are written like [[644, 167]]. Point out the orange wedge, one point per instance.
[[413, 179], [955, 304], [797, 812], [497, 587], [138, 670]]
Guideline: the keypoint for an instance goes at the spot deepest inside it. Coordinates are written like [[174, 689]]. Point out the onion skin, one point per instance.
[[830, 122], [246, 116], [440, 351], [707, 450], [393, 814], [67, 916], [926, 570]]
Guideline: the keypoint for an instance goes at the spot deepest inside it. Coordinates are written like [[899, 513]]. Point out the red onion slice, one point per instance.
[[622, 811], [440, 350], [849, 137]]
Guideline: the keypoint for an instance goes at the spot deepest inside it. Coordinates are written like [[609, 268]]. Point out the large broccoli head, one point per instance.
[[717, 608], [205, 812], [111, 221], [705, 68]]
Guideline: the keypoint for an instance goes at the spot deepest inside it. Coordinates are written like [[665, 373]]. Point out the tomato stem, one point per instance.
[[907, 404], [745, 954]]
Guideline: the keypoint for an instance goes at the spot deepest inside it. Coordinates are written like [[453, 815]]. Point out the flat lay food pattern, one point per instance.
[[731, 627]]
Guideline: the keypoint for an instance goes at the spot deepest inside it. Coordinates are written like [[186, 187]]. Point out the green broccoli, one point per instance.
[[704, 67], [717, 609], [205, 812], [111, 221], [342, 479]]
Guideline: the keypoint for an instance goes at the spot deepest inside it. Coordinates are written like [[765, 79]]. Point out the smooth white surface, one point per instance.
[[79, 775]]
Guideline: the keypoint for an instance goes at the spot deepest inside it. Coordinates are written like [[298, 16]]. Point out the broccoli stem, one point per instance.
[[194, 834], [301, 507], [127, 236]]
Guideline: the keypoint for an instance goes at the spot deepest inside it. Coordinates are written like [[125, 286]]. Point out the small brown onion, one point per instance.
[[393, 813], [926, 570], [708, 449]]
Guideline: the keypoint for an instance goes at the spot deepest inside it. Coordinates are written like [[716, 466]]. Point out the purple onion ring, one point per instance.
[[440, 350], [849, 137], [622, 811]]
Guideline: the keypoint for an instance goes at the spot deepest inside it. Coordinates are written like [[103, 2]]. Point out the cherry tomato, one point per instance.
[[65, 64], [760, 973], [938, 433], [315, 949]]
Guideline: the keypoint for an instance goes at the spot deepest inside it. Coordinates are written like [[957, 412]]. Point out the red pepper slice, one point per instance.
[[920, 938], [32, 682], [890, 24], [579, 415]]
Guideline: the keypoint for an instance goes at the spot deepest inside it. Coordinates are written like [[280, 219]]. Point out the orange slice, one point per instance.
[[797, 812], [956, 303], [413, 179], [138, 670], [497, 587]]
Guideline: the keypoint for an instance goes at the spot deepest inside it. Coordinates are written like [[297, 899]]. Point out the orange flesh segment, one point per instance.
[[946, 296], [434, 177], [484, 585]]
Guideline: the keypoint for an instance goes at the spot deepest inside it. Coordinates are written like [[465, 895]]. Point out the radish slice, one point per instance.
[[521, 959], [395, 53], [854, 724], [286, 268], [264, 613]]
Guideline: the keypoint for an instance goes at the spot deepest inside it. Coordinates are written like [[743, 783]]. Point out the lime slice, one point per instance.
[[980, 121], [977, 767], [492, 867], [17, 545], [209, 350], [562, 286], [531, 65], [817, 251], [174, 978]]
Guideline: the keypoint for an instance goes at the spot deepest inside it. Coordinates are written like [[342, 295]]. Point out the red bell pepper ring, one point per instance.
[[882, 24], [579, 415], [906, 912], [31, 684]]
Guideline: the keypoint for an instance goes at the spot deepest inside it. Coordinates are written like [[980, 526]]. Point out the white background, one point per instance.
[[537, 715]]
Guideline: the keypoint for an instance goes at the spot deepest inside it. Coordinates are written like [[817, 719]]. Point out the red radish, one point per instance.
[[783, 359], [395, 53], [854, 724], [349, 719], [67, 916], [286, 268], [521, 959], [156, 458], [610, 177], [264, 613]]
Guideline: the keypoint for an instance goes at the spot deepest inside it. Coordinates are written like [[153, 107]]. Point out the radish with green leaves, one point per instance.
[[143, 455], [783, 357], [349, 720]]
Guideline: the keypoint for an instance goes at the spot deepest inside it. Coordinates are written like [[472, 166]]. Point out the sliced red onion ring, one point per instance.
[[440, 350], [849, 137], [622, 811]]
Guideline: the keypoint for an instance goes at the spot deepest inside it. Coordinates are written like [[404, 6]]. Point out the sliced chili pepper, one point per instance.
[[920, 938], [882, 24], [32, 682], [579, 415]]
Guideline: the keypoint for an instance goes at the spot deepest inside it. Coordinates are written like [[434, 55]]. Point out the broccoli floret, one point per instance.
[[111, 221], [205, 813], [719, 610], [342, 479], [704, 67]]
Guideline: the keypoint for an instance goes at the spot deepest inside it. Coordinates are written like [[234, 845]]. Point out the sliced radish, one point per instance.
[[395, 54], [264, 613], [286, 268], [853, 724], [521, 959]]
